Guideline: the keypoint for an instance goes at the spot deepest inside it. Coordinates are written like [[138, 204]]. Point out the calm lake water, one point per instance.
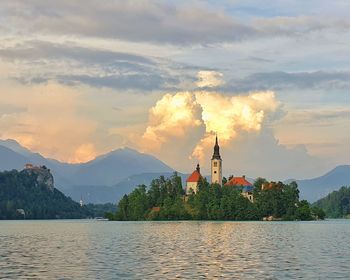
[[82, 249]]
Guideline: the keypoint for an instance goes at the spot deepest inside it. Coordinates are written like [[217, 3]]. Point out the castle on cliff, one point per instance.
[[241, 183]]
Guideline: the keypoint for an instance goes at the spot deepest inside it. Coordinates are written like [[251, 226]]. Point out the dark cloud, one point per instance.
[[39, 50], [71, 64], [139, 81], [43, 61], [284, 80], [151, 21], [144, 82], [259, 59]]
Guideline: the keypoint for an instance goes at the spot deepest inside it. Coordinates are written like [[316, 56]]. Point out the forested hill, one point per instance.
[[336, 204], [30, 193]]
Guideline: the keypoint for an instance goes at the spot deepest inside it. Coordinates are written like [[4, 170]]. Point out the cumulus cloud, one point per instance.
[[228, 116], [209, 79], [182, 127], [171, 117], [206, 114]]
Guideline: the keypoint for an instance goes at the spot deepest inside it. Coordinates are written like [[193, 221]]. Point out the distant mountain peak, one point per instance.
[[126, 149], [15, 146], [116, 152]]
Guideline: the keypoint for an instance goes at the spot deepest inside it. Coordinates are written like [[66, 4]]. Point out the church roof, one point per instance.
[[238, 181], [196, 176]]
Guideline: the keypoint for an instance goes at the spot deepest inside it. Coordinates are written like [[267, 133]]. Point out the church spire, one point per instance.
[[216, 154], [198, 168]]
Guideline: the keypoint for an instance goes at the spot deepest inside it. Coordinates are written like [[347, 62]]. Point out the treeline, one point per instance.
[[165, 200], [100, 210], [336, 204]]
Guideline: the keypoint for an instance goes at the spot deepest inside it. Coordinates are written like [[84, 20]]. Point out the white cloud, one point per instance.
[[228, 116], [172, 117]]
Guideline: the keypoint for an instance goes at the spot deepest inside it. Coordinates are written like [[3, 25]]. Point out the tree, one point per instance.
[[303, 211], [123, 208], [259, 182], [317, 213], [137, 204], [335, 204]]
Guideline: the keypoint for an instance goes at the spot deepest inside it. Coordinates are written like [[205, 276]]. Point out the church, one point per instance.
[[216, 177]]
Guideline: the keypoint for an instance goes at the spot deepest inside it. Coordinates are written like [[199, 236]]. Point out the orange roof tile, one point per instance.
[[155, 209], [194, 177], [238, 181]]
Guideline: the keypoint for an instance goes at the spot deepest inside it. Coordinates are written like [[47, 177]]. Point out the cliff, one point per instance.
[[42, 174]]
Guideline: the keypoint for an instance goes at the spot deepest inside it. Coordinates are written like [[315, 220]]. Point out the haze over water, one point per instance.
[[69, 249]]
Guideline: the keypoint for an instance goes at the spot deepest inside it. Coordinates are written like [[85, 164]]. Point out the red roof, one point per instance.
[[194, 177], [238, 181]]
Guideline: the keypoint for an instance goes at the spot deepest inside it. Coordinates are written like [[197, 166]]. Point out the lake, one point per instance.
[[87, 249]]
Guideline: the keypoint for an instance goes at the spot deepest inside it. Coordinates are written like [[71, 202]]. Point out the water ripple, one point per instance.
[[174, 250]]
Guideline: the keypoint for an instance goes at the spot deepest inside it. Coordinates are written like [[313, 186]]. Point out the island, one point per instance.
[[234, 198], [165, 199]]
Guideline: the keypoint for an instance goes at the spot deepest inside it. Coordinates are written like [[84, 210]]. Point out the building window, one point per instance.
[[215, 164], [214, 172]]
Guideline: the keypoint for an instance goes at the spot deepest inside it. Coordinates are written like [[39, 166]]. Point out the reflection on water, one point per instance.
[[169, 250]]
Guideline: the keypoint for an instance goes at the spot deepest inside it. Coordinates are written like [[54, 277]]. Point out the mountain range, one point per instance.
[[96, 180], [108, 177]]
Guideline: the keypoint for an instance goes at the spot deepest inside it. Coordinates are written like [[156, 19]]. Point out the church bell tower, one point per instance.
[[216, 165]]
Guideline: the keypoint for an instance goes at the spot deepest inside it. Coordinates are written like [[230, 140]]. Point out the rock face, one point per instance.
[[44, 176]]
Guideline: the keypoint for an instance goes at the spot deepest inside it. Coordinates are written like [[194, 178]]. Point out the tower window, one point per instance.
[[215, 164], [214, 172]]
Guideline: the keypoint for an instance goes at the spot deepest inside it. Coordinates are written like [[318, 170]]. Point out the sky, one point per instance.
[[270, 78]]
